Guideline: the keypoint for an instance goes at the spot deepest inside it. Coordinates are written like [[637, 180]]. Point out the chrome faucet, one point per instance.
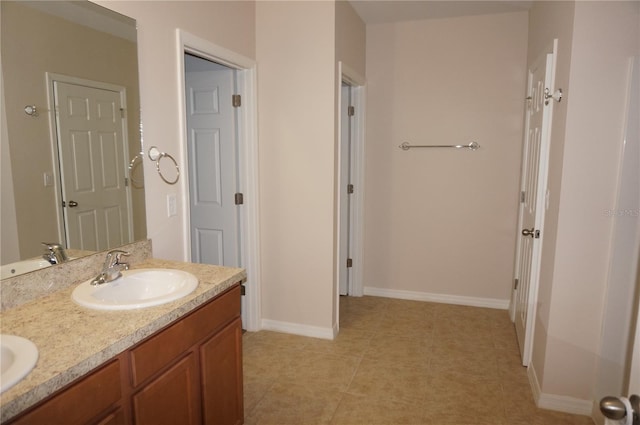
[[54, 253], [112, 268]]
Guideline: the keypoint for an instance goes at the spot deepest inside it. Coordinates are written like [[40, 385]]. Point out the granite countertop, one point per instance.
[[73, 340]]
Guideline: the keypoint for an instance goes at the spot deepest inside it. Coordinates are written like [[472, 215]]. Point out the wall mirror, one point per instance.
[[71, 143]]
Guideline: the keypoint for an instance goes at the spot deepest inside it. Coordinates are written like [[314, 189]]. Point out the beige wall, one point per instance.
[[10, 244], [549, 21], [229, 24], [584, 170], [72, 50], [296, 91], [351, 37], [442, 221]]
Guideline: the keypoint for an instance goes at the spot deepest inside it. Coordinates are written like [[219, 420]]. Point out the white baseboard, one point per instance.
[[297, 329], [555, 402], [438, 298]]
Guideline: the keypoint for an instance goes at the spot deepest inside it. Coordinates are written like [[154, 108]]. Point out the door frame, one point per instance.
[[248, 172], [356, 230], [51, 78], [542, 196]]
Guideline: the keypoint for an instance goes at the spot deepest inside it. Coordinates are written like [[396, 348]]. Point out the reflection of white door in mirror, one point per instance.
[[92, 146], [68, 38]]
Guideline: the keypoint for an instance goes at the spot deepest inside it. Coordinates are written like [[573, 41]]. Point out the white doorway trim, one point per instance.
[[357, 83], [247, 158]]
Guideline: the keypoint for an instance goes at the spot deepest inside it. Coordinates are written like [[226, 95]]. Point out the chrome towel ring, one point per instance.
[[133, 166], [156, 155]]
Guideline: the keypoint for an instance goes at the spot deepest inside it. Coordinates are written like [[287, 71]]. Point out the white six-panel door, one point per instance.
[[212, 159], [92, 152], [534, 173]]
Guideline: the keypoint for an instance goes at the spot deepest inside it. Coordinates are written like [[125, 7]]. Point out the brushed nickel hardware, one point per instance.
[[616, 409], [349, 262], [236, 100], [239, 198], [349, 188], [533, 233], [557, 95], [472, 146], [351, 111], [156, 155]]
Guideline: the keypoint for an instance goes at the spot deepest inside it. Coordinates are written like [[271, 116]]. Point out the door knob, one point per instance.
[[73, 204], [527, 232], [615, 408]]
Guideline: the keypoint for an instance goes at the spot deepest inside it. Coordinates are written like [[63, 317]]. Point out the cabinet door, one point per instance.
[[172, 398], [221, 366]]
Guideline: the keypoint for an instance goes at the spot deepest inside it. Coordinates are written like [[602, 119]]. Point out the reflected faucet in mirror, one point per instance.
[[54, 253], [84, 198]]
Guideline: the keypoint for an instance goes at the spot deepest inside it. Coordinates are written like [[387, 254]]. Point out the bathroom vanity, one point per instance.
[[177, 363]]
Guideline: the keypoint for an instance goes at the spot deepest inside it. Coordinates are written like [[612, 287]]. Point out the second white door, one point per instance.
[[212, 156], [534, 177]]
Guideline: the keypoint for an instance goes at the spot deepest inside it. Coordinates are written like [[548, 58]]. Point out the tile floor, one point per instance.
[[394, 362]]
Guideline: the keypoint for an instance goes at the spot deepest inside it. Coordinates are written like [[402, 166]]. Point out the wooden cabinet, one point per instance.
[[172, 398], [91, 399], [221, 373], [188, 373]]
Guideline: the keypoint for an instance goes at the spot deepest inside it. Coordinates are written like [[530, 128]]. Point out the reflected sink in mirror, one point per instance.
[[136, 289], [18, 356], [20, 267]]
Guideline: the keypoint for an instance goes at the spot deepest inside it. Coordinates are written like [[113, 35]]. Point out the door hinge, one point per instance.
[[349, 188], [243, 290], [522, 197], [121, 112], [239, 198], [349, 262], [351, 111], [236, 100], [515, 285], [537, 234], [126, 182]]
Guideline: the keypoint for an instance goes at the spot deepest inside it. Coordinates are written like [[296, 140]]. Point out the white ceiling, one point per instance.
[[385, 11]]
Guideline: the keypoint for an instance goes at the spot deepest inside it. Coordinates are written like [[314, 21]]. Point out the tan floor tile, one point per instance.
[[349, 342], [460, 400], [359, 410], [267, 359], [320, 370], [406, 382], [399, 348], [364, 319], [480, 363], [510, 367], [255, 388], [395, 362], [287, 404], [416, 325]]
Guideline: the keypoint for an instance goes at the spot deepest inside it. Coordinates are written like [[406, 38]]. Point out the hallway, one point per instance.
[[395, 362]]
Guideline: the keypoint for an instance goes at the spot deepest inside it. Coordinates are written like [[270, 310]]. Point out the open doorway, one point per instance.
[[350, 184], [218, 185]]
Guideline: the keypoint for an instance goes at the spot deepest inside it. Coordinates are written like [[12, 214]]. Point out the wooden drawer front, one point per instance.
[[80, 403], [159, 350], [173, 398]]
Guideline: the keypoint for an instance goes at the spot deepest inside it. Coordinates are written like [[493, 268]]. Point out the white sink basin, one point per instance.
[[17, 357], [136, 289]]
